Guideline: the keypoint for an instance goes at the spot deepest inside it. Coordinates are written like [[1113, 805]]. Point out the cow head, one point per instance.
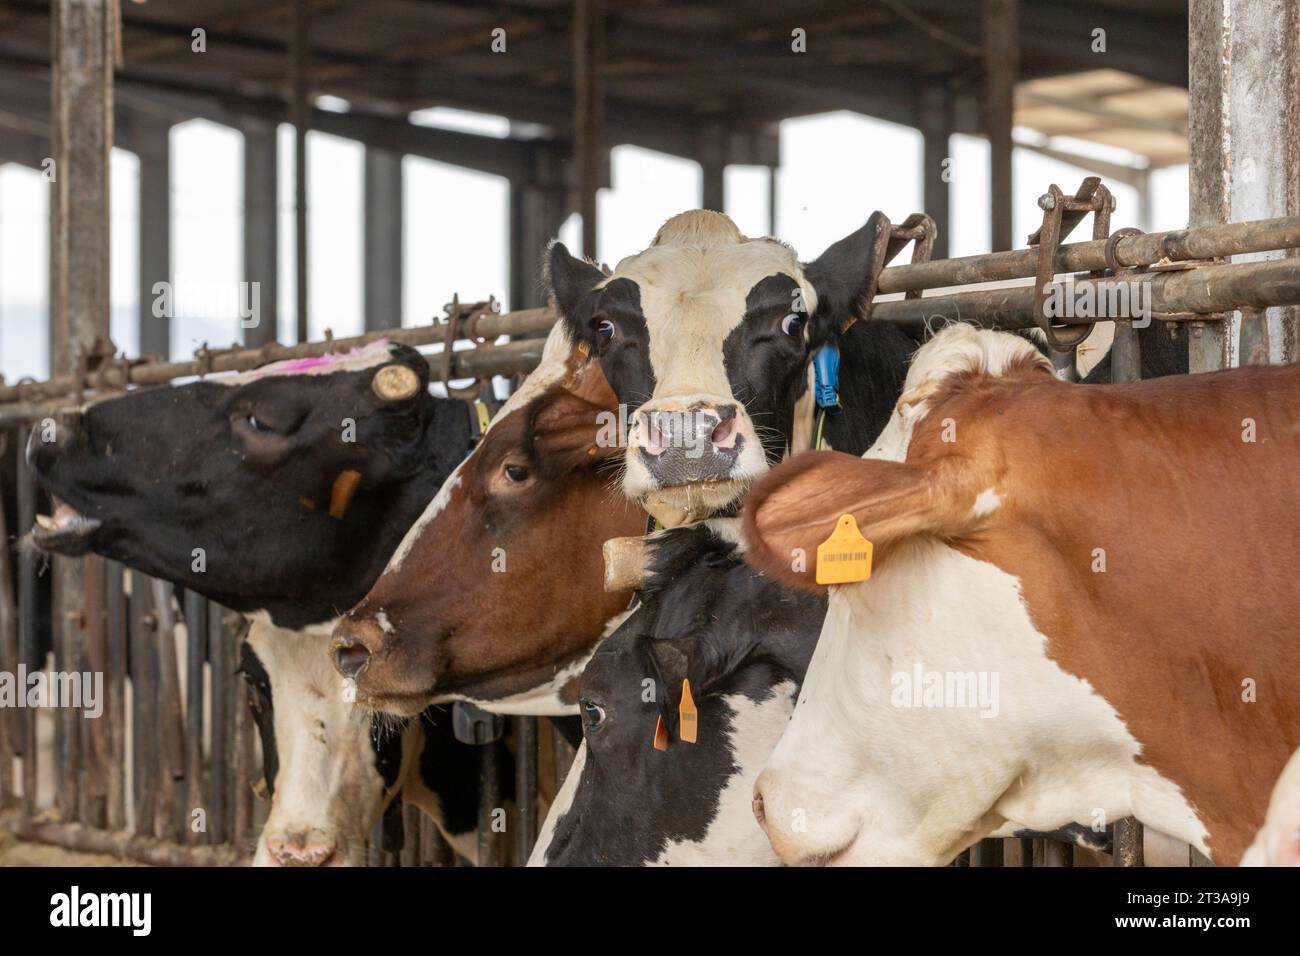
[[494, 595], [330, 770], [706, 336], [283, 489], [743, 644]]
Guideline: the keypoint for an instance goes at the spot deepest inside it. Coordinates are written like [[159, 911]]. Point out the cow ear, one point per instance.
[[842, 277], [569, 432], [569, 279], [796, 506]]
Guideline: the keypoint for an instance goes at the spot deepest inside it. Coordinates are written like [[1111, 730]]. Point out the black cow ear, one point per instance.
[[842, 277], [569, 278]]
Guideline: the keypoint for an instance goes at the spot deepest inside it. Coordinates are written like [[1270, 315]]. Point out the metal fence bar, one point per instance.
[[118, 635], [95, 731], [27, 629], [525, 787], [10, 727], [222, 675], [144, 696], [196, 631]]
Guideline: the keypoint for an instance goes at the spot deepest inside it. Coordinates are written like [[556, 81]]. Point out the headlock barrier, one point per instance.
[[166, 773]]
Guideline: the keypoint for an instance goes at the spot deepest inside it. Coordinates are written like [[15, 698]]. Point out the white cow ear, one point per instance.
[[569, 278], [843, 275]]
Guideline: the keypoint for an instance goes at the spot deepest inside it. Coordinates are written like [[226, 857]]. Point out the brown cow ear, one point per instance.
[[570, 432], [795, 507]]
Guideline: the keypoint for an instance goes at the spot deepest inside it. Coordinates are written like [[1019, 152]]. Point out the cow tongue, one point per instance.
[[63, 517]]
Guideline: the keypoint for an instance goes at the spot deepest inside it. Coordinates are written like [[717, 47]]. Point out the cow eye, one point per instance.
[[516, 473], [257, 424], [593, 713], [605, 329], [793, 323]]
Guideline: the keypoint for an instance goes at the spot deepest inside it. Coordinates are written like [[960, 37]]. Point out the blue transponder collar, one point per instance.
[[826, 367]]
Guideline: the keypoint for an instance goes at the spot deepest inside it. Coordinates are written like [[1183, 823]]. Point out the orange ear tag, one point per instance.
[[661, 734], [341, 493], [845, 556], [688, 727]]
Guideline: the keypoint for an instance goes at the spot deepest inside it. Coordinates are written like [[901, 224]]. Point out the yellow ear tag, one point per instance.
[[661, 734], [845, 556], [688, 726]]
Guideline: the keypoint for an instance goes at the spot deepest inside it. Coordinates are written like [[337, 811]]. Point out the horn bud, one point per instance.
[[627, 563], [395, 383]]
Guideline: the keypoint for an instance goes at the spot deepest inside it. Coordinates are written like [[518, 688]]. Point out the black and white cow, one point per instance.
[[331, 771], [744, 643], [284, 489], [281, 493], [707, 334]]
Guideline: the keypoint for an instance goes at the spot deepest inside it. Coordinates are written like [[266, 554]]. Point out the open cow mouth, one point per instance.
[[66, 531]]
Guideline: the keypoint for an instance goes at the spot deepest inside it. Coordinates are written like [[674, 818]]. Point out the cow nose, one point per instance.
[[49, 436], [301, 850], [693, 430], [350, 657]]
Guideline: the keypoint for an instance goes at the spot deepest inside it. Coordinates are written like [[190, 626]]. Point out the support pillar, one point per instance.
[[1244, 132], [1001, 68], [81, 37], [155, 235], [261, 231], [936, 129], [382, 213], [536, 214], [589, 113]]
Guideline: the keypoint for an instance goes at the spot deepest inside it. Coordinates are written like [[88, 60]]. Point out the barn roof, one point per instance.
[[677, 73]]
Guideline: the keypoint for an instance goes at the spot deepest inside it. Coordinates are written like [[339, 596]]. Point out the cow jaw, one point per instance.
[[66, 531]]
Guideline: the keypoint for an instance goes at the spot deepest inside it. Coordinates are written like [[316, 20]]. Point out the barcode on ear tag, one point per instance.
[[661, 734], [688, 725], [845, 556]]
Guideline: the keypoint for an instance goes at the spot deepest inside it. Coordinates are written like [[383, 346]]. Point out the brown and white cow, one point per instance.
[[1083, 607], [1278, 840], [494, 594]]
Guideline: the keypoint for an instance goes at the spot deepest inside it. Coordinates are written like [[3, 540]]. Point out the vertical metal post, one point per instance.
[[1244, 133], [771, 200], [10, 741], [489, 788], [1126, 843], [116, 686], [82, 43], [95, 749], [1125, 354], [936, 129], [536, 213], [261, 230], [28, 639], [155, 234], [588, 113], [299, 59], [222, 667], [144, 704], [525, 786], [196, 631], [382, 214], [1001, 68]]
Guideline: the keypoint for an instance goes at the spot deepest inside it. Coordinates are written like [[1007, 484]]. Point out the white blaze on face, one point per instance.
[[858, 779], [328, 792], [562, 805], [693, 282]]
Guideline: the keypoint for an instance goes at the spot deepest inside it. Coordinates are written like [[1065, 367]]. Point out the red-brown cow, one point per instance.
[[1083, 606], [494, 594]]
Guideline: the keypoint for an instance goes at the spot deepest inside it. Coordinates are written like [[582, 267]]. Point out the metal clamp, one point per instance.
[[474, 725], [1061, 213], [918, 228], [462, 322]]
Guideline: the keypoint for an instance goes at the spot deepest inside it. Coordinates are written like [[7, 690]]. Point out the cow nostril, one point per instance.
[[351, 658], [723, 431]]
